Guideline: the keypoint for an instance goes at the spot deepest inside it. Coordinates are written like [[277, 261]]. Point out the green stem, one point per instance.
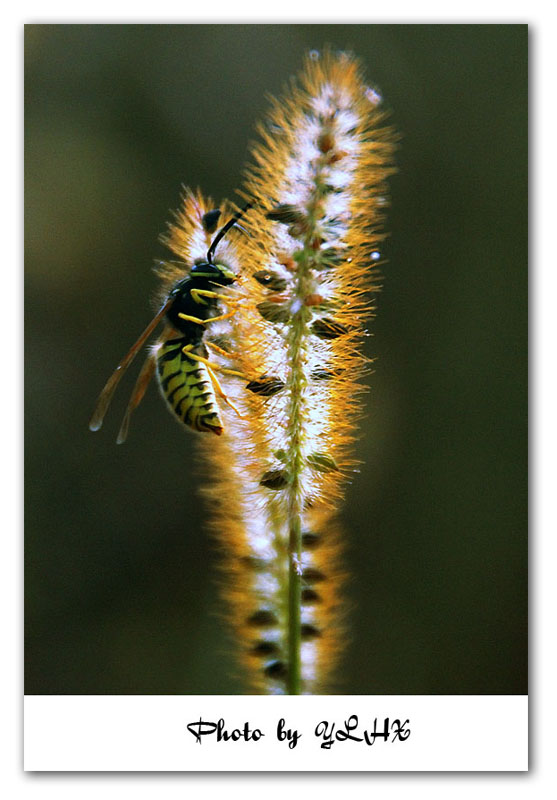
[[296, 466], [294, 607], [296, 422]]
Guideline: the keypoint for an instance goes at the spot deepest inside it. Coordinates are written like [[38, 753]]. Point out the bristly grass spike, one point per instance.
[[292, 327]]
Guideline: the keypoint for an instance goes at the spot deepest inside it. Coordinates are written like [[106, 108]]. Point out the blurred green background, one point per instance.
[[120, 575]]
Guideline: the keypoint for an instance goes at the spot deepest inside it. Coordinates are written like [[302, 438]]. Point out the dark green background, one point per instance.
[[120, 574]]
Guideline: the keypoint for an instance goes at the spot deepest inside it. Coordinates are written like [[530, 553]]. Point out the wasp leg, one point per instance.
[[199, 294], [187, 351], [199, 321], [219, 390], [147, 371], [220, 350], [188, 318]]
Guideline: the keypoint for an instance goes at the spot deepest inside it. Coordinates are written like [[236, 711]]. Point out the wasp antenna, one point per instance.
[[224, 230]]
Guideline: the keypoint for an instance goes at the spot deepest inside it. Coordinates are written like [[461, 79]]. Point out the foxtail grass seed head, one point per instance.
[[282, 350], [317, 184]]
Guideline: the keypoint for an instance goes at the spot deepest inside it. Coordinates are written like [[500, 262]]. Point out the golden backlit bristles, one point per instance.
[[306, 266]]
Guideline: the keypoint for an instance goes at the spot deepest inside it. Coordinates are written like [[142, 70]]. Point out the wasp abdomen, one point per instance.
[[186, 386]]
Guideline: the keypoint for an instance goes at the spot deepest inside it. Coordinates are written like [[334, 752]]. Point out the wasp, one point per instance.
[[180, 358]]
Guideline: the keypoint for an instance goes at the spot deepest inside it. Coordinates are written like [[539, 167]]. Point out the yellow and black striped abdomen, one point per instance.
[[186, 386]]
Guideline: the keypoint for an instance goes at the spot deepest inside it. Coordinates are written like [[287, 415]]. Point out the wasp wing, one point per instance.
[[110, 387], [147, 372]]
